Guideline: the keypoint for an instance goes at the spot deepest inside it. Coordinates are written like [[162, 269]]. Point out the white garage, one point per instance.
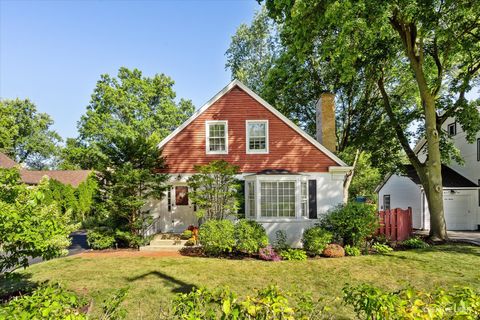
[[461, 199], [459, 214]]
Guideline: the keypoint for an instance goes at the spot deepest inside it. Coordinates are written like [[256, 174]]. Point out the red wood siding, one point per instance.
[[287, 149]]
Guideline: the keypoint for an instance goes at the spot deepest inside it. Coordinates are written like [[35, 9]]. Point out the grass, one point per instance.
[[154, 281]]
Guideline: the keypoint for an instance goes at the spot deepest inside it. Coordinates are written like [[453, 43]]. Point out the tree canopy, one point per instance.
[[422, 57], [258, 57], [123, 108], [26, 135], [125, 120]]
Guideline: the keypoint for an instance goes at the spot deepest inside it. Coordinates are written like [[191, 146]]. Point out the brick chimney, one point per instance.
[[326, 121]]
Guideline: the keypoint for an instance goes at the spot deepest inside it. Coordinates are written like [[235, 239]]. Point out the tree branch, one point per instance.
[[396, 125]]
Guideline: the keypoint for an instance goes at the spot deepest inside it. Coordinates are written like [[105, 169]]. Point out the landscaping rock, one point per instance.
[[333, 251]]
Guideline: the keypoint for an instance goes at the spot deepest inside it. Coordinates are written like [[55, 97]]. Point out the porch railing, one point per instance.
[[152, 228]]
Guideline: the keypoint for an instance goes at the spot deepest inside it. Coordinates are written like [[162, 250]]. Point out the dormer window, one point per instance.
[[452, 129], [216, 137], [257, 136]]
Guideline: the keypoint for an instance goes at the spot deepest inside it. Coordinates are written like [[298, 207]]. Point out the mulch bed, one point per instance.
[[127, 253]]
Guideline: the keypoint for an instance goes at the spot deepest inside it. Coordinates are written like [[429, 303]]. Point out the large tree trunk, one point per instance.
[[432, 177], [430, 173]]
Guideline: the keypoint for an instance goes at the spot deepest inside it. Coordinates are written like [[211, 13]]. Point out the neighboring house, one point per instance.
[[461, 192], [290, 178], [33, 177]]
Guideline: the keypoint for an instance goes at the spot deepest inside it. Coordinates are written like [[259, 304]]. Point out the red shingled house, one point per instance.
[[290, 178]]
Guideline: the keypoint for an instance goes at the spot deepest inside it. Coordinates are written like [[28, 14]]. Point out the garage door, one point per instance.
[[457, 213]]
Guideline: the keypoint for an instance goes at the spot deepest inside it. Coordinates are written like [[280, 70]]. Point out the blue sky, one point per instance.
[[53, 52]]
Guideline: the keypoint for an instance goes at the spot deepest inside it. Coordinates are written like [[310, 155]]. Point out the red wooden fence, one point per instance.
[[396, 224]]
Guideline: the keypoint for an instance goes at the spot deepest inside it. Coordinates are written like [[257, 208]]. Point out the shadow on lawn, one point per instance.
[[15, 284], [180, 286], [458, 248]]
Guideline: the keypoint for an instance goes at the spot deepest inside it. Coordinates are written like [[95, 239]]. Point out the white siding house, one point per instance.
[[461, 192]]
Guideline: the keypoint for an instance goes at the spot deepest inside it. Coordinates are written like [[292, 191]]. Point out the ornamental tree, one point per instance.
[[423, 57], [214, 190]]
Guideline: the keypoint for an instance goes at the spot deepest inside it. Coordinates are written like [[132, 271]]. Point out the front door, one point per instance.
[[183, 214]]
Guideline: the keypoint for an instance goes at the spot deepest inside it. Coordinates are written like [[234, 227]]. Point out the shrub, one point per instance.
[[381, 248], [46, 302], [187, 234], [100, 238], [30, 227], [352, 223], [352, 251], [111, 307], [281, 240], [269, 303], [250, 236], [293, 254], [372, 303], [190, 242], [192, 251], [414, 243], [315, 240], [217, 237], [269, 254], [333, 251], [130, 240]]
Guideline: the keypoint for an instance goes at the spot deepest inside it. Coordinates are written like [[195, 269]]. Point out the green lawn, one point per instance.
[[153, 281]]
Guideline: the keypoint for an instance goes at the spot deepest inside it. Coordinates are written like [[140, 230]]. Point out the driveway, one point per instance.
[[79, 245], [472, 237]]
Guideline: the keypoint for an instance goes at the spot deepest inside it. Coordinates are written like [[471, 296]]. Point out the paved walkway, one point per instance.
[[79, 245], [472, 237]]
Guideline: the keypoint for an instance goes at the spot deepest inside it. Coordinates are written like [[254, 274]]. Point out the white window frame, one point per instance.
[[454, 126], [249, 209], [298, 179], [254, 151], [207, 136], [385, 196]]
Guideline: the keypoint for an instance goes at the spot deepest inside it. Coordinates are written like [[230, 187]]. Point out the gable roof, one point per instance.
[[71, 177], [6, 162], [450, 178], [265, 104]]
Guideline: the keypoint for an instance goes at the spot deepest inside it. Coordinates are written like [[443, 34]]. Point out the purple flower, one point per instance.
[[268, 254]]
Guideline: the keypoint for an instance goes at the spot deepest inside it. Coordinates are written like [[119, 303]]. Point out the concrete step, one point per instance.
[[178, 243], [167, 236], [160, 248]]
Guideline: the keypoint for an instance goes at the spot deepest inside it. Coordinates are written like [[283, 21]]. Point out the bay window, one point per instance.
[[279, 197]]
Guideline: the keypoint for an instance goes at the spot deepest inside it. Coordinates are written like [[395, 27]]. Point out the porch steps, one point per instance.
[[159, 243]]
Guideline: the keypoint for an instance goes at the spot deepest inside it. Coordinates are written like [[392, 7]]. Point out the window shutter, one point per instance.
[[169, 199], [241, 199], [312, 199]]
